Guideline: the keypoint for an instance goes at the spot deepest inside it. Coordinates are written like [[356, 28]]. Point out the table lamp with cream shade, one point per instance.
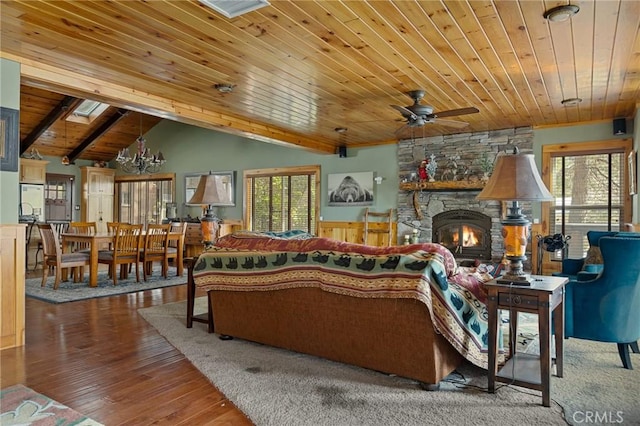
[[515, 178], [209, 192]]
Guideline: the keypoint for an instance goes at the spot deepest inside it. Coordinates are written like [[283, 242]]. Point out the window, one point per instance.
[[143, 199], [282, 199], [589, 183], [87, 111]]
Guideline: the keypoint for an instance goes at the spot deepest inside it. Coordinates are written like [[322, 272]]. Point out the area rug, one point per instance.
[[68, 291], [278, 387], [23, 406]]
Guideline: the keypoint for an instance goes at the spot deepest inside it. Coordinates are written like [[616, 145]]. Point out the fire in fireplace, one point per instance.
[[466, 233]]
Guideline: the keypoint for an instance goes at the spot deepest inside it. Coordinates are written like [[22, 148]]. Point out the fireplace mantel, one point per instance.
[[457, 185]]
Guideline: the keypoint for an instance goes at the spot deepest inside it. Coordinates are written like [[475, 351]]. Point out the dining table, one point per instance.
[[100, 239]]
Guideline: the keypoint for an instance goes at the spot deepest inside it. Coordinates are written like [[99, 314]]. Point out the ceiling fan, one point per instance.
[[417, 115]]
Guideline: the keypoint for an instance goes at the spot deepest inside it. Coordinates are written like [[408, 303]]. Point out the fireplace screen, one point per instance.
[[466, 233]]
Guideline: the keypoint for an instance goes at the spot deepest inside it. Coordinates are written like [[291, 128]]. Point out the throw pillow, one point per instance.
[[594, 256]]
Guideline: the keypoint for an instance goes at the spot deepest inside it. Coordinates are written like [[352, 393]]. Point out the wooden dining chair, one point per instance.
[[156, 243], [53, 256], [89, 228], [172, 250], [60, 227], [126, 250]]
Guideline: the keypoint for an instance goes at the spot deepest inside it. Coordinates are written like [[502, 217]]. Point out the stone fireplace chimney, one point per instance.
[[459, 159]]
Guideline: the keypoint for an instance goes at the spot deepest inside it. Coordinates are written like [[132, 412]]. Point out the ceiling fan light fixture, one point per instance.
[[571, 101], [561, 13]]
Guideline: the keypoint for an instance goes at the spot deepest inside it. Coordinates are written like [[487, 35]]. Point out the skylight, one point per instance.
[[87, 111]]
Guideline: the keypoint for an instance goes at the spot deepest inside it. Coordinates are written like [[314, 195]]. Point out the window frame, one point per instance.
[[143, 178], [248, 175], [623, 146]]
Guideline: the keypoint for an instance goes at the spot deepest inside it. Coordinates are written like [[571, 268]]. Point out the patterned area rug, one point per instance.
[[68, 291], [24, 406]]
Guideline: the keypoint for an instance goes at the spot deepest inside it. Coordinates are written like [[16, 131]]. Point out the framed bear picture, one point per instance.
[[350, 189]]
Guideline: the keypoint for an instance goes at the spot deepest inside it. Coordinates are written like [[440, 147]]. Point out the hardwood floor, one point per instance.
[[104, 360]]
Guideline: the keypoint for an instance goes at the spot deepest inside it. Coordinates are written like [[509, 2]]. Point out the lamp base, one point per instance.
[[518, 280]]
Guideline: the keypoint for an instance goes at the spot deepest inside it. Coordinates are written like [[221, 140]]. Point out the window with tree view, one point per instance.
[[282, 199], [589, 191]]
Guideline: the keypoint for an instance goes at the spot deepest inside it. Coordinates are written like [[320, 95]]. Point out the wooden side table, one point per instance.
[[207, 317], [544, 296]]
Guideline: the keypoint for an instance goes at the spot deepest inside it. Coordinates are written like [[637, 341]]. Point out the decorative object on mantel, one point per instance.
[[515, 178], [432, 167], [422, 171], [450, 170], [142, 161], [486, 166]]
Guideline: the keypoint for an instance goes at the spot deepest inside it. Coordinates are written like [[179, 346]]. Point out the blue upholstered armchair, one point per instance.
[[607, 309]]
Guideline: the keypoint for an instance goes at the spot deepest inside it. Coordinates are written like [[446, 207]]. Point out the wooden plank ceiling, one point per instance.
[[301, 69]]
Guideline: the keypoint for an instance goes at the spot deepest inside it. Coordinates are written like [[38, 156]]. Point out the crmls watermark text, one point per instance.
[[599, 417]]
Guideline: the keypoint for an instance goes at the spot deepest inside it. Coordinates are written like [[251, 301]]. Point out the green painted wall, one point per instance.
[[9, 98], [191, 149]]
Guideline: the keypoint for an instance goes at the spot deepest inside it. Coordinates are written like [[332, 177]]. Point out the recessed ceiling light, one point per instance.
[[571, 101], [340, 129], [233, 8], [224, 88], [561, 13]]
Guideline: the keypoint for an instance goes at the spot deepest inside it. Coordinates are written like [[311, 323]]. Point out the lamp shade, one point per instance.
[[515, 178], [207, 191]]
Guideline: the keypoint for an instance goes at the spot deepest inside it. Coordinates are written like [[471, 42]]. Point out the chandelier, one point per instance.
[[142, 161]]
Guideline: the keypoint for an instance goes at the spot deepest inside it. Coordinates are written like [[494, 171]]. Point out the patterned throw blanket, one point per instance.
[[452, 295]]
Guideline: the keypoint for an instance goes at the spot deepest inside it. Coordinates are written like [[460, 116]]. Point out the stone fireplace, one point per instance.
[[422, 209]]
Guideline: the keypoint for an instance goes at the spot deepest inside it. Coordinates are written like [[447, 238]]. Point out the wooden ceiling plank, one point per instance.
[[603, 35], [627, 25], [527, 81], [44, 124], [507, 67], [166, 108], [415, 76], [630, 94], [466, 84], [142, 67], [471, 44], [538, 29]]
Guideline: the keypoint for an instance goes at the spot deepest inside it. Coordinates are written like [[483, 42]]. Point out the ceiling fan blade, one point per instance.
[[450, 123], [459, 111], [402, 129], [407, 113]]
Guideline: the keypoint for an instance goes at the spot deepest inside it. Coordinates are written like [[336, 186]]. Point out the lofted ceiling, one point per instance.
[[301, 69]]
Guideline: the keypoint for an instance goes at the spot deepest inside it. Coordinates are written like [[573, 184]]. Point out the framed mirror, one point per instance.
[[225, 182]]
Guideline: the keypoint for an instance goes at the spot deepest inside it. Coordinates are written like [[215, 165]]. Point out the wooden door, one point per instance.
[[59, 197]]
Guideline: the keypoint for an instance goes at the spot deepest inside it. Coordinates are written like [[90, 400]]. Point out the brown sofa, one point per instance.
[[380, 322]]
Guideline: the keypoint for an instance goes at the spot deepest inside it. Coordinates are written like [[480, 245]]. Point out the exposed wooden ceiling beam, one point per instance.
[[68, 82], [57, 112], [104, 128]]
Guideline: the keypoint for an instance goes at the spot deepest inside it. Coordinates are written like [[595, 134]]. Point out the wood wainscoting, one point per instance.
[[12, 253], [353, 232]]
